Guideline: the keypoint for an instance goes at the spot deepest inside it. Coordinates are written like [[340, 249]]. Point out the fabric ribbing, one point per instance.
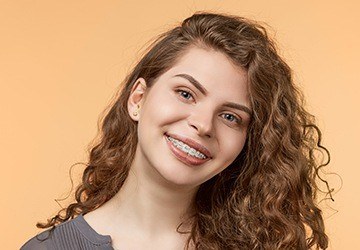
[[74, 234]]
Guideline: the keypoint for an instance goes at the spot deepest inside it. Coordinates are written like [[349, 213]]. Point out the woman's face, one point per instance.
[[203, 102]]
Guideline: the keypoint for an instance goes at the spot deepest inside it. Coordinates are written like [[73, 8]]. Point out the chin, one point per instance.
[[178, 177]]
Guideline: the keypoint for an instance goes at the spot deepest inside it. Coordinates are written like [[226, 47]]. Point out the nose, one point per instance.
[[202, 122]]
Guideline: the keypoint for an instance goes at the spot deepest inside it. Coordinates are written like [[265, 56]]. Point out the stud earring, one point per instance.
[[136, 112]]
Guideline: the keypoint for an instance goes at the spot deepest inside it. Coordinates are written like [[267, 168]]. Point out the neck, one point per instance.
[[149, 204]]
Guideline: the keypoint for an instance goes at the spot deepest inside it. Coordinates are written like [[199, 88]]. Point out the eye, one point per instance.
[[232, 118], [185, 94], [228, 117]]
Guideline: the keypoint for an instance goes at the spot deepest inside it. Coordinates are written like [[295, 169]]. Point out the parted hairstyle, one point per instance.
[[266, 198]]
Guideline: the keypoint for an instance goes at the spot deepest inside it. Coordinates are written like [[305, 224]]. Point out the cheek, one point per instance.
[[164, 109], [233, 146]]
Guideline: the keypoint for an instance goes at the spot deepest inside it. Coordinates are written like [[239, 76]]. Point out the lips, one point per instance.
[[192, 144]]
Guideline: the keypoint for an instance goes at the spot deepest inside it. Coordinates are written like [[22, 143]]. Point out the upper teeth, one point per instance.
[[186, 148]]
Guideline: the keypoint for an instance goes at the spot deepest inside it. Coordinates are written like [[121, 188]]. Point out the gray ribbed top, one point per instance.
[[71, 235]]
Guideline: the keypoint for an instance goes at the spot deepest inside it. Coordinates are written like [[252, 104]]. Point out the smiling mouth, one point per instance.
[[190, 143], [185, 153]]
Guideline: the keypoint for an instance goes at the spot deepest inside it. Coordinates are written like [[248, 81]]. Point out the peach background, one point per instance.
[[61, 62]]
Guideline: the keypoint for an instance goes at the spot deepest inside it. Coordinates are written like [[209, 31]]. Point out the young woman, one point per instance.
[[208, 146]]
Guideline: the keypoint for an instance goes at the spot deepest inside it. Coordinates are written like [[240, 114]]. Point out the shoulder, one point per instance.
[[72, 234], [41, 241]]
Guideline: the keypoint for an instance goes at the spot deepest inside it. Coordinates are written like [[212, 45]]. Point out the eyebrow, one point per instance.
[[202, 89]]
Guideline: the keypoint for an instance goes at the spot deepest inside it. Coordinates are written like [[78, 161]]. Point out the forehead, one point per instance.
[[215, 71]]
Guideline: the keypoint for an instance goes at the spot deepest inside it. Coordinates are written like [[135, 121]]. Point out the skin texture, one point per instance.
[[160, 189]]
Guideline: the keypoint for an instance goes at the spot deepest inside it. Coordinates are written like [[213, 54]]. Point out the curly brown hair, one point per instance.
[[266, 198]]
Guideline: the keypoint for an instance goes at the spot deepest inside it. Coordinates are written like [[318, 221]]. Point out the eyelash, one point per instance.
[[238, 120]]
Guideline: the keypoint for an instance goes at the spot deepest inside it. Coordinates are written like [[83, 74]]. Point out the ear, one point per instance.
[[136, 98]]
